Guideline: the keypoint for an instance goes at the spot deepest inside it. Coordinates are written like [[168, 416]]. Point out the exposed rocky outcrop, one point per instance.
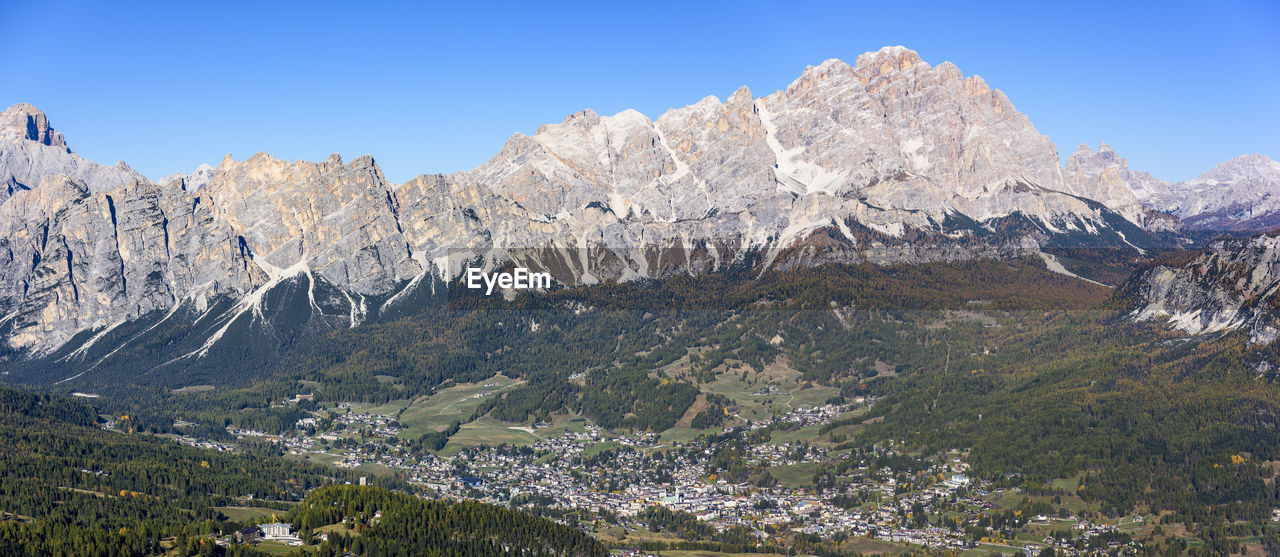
[[24, 122], [1231, 285], [30, 150], [79, 260], [1241, 195], [1106, 178], [198, 178]]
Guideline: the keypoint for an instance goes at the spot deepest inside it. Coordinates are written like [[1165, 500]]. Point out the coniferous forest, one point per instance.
[[71, 488]]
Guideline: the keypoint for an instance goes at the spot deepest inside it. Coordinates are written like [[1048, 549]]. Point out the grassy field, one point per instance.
[[373, 468], [571, 424], [753, 404], [795, 475], [275, 548], [456, 403], [1007, 499], [1011, 500], [487, 431], [245, 514], [599, 448], [1068, 484], [813, 433], [321, 458], [387, 409], [679, 435], [339, 528], [807, 394]]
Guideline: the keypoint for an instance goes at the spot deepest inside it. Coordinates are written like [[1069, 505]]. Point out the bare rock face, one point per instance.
[[23, 121], [710, 155], [866, 160], [1242, 194], [891, 131], [1105, 177], [80, 260], [1231, 285], [30, 149], [335, 219], [891, 143], [901, 134], [198, 178]]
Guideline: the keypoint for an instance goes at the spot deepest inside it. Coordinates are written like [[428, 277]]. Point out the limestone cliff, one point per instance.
[[1232, 284], [889, 159]]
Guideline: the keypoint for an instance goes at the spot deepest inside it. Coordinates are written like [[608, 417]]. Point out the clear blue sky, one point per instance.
[[1175, 88]]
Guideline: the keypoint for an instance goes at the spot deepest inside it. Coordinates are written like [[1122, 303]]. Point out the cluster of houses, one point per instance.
[[633, 472], [786, 454], [816, 415], [206, 444], [377, 424], [632, 476], [804, 416]]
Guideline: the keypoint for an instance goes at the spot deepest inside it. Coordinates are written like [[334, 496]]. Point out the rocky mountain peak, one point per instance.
[[23, 121], [871, 70], [828, 69], [740, 97], [896, 132], [586, 117], [1253, 168], [1086, 160], [888, 60], [1241, 194], [1104, 176], [198, 178], [1083, 152], [30, 150]]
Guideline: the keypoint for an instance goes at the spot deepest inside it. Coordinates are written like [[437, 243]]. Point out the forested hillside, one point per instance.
[[391, 523], [616, 333], [70, 488]]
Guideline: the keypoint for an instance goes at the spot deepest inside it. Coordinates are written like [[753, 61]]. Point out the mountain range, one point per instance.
[[885, 160], [1239, 195]]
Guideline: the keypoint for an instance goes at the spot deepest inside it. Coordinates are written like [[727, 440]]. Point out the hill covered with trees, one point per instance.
[[380, 523]]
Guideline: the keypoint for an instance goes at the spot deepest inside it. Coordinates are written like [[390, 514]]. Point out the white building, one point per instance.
[[276, 530]]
